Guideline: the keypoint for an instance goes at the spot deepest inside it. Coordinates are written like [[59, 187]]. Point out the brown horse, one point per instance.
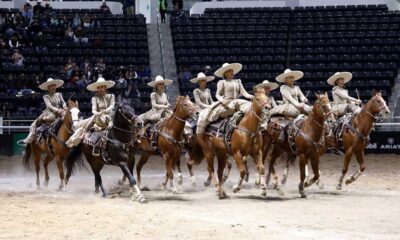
[[54, 146], [169, 141], [356, 137], [245, 140], [308, 141]]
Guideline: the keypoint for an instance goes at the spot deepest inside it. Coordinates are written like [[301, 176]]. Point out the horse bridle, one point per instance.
[[377, 116], [69, 130], [261, 106], [191, 112], [129, 120]]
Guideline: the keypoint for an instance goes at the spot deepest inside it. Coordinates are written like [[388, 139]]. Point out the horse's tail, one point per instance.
[[196, 152], [73, 157], [27, 155]]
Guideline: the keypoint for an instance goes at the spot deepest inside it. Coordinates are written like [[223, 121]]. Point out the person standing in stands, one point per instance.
[[162, 7], [104, 9]]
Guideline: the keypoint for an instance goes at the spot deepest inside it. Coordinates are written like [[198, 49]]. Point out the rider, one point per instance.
[[268, 87], [294, 101], [202, 95], [228, 92], [342, 102], [159, 102], [102, 108], [55, 106]]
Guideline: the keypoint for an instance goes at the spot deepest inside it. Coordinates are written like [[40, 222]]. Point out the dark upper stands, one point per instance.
[[317, 40], [123, 42]]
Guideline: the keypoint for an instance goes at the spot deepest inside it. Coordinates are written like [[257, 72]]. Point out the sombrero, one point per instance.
[[236, 67], [57, 82], [202, 76], [100, 82], [296, 74], [346, 75], [159, 79], [265, 83]]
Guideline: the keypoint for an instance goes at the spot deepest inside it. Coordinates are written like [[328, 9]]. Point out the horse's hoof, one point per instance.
[[162, 187], [180, 181], [348, 181], [174, 190], [338, 187], [193, 181], [280, 192], [139, 198], [246, 177], [321, 185], [275, 186], [236, 189], [302, 195], [38, 187], [222, 195], [257, 182], [46, 184], [207, 183], [263, 193], [120, 182], [96, 191], [283, 182], [104, 195]]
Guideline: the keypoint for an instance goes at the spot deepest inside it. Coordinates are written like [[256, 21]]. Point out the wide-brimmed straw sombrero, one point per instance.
[[159, 79], [296, 74], [202, 76], [100, 82], [236, 67], [57, 82], [346, 75], [266, 83]]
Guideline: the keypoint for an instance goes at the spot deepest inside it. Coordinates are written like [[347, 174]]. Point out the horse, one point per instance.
[[307, 144], [118, 142], [356, 135], [54, 146], [169, 141], [245, 140]]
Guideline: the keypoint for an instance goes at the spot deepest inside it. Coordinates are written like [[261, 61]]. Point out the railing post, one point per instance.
[[1, 124]]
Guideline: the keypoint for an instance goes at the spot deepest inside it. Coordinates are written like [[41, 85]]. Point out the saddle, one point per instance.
[[279, 125], [224, 128], [97, 141], [340, 126], [151, 132]]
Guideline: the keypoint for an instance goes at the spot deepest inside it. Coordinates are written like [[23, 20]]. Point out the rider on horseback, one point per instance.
[[228, 92], [268, 87], [102, 108], [343, 103], [202, 95], [55, 106]]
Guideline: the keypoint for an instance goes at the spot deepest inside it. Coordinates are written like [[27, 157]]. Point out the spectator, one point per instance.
[[27, 12], [81, 82], [40, 43], [76, 21], [131, 73], [75, 74], [87, 68], [143, 73], [69, 67], [100, 66], [185, 75], [47, 8], [17, 59], [35, 27], [54, 21], [162, 7], [38, 8], [104, 9], [130, 7], [87, 22], [79, 36], [208, 71], [69, 35], [3, 43], [178, 5]]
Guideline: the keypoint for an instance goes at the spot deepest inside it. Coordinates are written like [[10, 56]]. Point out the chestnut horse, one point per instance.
[[356, 135], [245, 140], [169, 141], [54, 146], [308, 141], [118, 146]]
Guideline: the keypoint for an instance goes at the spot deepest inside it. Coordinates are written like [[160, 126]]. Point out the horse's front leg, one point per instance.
[[228, 169], [302, 165], [134, 188], [261, 172], [360, 160], [242, 170], [346, 162], [190, 169]]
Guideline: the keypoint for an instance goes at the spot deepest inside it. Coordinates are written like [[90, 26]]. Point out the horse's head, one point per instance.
[[322, 107], [127, 112], [74, 112], [260, 98], [376, 106], [185, 108]]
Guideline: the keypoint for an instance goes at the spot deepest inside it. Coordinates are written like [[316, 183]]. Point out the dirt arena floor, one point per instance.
[[367, 209]]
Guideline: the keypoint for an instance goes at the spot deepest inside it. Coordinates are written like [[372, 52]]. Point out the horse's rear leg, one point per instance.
[[46, 162], [96, 168], [360, 160], [37, 165], [180, 178], [132, 182], [261, 172], [346, 162], [222, 158], [169, 159], [228, 169], [131, 165], [286, 172], [143, 160], [190, 168]]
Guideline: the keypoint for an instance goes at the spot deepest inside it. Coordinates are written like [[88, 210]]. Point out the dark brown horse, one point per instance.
[[54, 147], [356, 136], [245, 140], [169, 141], [118, 146], [308, 141]]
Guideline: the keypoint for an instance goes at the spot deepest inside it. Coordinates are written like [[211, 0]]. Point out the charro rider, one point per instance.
[[268, 87], [55, 106], [228, 92], [202, 95], [103, 105], [294, 101], [342, 102]]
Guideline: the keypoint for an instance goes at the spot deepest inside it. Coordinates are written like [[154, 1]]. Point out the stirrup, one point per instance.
[[94, 153]]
